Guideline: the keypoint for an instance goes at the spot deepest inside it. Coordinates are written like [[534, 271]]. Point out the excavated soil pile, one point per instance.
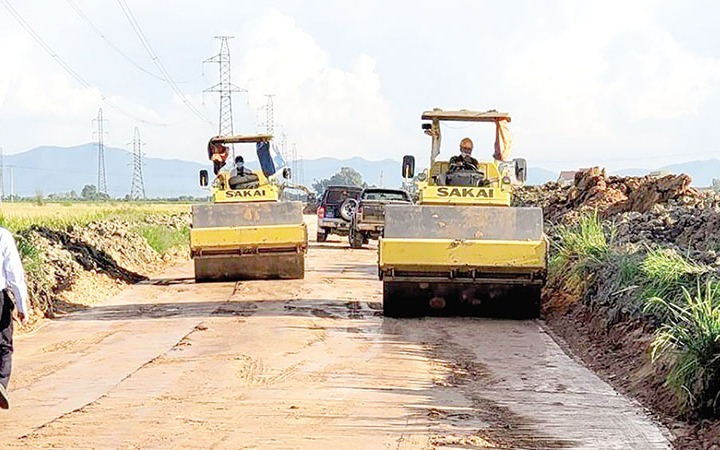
[[594, 190], [81, 265], [606, 326], [652, 210]]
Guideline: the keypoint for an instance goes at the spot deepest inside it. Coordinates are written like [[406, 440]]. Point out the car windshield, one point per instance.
[[385, 195], [340, 195]]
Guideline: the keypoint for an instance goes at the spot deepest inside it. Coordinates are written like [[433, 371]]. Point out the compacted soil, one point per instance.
[[306, 364]]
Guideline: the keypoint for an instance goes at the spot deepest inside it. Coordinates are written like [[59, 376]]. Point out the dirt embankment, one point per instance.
[[605, 324], [75, 267]]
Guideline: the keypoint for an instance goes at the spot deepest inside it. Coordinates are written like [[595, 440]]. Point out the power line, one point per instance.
[[137, 188], [156, 60], [23, 23], [101, 177], [117, 49]]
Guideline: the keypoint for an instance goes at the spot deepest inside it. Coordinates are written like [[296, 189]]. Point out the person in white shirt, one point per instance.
[[12, 278]]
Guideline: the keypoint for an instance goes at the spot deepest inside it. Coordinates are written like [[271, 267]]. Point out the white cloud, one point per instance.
[[608, 62], [328, 110], [12, 46], [669, 82], [51, 95]]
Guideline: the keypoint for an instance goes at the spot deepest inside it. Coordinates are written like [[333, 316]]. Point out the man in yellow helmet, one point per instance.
[[464, 161]]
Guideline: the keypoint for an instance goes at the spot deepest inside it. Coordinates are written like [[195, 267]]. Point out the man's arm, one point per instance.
[[15, 275]]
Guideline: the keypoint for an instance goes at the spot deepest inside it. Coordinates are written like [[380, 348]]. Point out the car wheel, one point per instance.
[[348, 208], [321, 236]]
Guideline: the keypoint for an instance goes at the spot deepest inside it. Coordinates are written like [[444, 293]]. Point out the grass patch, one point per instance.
[[163, 238], [629, 271], [578, 250], [666, 274], [691, 334]]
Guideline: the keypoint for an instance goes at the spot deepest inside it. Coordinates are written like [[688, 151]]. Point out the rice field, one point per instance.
[[21, 215]]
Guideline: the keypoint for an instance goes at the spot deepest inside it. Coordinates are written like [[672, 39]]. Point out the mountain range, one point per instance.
[[50, 169]]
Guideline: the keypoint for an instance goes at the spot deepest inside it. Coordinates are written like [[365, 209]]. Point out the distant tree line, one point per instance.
[[347, 176], [89, 193]]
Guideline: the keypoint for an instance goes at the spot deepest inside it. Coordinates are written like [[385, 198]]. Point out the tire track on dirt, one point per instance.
[[180, 343], [80, 409], [502, 427]]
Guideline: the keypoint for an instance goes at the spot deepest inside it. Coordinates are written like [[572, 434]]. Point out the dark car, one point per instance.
[[336, 210], [369, 219]]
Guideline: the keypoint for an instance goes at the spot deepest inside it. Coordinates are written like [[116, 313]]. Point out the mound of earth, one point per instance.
[[81, 265], [664, 210]]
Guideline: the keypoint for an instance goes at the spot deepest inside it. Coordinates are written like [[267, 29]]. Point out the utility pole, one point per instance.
[[101, 178], [224, 87], [381, 179], [137, 188]]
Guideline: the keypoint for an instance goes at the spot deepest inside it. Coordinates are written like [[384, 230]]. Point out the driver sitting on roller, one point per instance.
[[242, 178], [464, 161]]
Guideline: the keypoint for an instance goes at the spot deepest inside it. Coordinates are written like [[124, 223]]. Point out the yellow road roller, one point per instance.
[[247, 232], [461, 249]]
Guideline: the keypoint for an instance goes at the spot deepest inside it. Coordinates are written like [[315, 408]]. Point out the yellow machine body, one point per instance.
[[462, 249], [247, 233]]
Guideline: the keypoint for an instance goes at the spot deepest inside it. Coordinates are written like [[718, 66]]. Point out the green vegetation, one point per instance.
[[628, 265], [58, 216], [666, 274], [691, 334], [347, 176], [24, 220], [162, 238], [578, 251], [680, 296]]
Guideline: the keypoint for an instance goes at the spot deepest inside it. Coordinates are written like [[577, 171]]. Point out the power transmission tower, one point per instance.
[[302, 169], [224, 87], [137, 189], [101, 178], [294, 158], [269, 115], [283, 145]]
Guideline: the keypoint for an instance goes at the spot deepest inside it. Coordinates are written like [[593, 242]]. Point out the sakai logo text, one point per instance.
[[465, 192], [245, 193]]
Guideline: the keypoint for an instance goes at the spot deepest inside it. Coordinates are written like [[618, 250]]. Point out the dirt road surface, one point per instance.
[[307, 364]]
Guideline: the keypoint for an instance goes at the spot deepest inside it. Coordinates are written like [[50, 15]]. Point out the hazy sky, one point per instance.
[[615, 83]]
